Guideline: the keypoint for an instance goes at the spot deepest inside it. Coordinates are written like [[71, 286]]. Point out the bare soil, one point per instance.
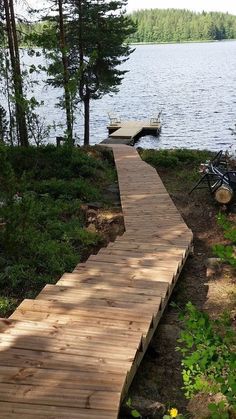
[[159, 381]]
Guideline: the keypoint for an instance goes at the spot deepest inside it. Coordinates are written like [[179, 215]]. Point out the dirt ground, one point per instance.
[[158, 383]]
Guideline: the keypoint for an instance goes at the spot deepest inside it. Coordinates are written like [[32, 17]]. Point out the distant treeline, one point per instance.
[[174, 25]]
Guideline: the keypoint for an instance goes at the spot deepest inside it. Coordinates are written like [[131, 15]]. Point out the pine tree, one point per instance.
[[66, 74], [87, 51], [16, 72], [98, 31]]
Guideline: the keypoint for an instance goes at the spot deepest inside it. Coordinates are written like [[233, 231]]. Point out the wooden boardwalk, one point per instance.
[[74, 350], [128, 132]]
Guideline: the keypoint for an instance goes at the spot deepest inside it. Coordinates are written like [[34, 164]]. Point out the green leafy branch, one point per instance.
[[209, 358], [227, 253]]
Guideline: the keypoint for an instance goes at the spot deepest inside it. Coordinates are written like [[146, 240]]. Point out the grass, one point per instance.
[[42, 234], [180, 168]]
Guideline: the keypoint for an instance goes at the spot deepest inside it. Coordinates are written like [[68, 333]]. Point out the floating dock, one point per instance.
[[73, 351], [128, 132]]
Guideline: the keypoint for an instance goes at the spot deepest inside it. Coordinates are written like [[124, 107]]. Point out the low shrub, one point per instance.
[[47, 162], [209, 358], [76, 188], [6, 306], [227, 252], [173, 158], [42, 231]]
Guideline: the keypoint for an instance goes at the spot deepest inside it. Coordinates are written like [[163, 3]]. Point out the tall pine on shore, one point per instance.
[[87, 46], [98, 32], [16, 74]]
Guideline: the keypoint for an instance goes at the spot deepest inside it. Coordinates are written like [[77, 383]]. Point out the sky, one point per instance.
[[196, 5]]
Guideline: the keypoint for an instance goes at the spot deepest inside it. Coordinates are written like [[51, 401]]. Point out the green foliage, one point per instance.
[[134, 413], [6, 172], [219, 410], [173, 158], [209, 358], [42, 239], [6, 306], [57, 188], [84, 44], [48, 162], [43, 232], [175, 25], [227, 253]]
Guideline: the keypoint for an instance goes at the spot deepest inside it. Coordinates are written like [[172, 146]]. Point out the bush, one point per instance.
[[43, 234], [226, 252], [48, 162], [6, 306], [209, 359], [77, 188], [173, 158]]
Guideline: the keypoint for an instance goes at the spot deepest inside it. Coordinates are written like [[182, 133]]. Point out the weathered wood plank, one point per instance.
[[78, 398], [65, 379], [39, 411]]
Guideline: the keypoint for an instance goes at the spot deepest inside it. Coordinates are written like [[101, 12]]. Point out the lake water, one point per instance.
[[193, 84]]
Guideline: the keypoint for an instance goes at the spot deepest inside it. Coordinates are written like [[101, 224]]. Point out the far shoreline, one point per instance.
[[201, 41]]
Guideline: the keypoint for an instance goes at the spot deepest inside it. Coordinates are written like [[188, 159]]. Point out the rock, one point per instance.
[[212, 262], [91, 215], [94, 205], [112, 188], [91, 228], [213, 266], [110, 217], [198, 405], [116, 219], [17, 197], [148, 408], [116, 230], [84, 207]]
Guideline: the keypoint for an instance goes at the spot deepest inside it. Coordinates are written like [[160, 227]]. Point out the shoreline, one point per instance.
[[206, 41]]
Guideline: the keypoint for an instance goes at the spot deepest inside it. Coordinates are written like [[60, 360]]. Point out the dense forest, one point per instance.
[[172, 25]]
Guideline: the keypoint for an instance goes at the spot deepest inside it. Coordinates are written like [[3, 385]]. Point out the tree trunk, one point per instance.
[[16, 73], [86, 120], [83, 88], [66, 76]]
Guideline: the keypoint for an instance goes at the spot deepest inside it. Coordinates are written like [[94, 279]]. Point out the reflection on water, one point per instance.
[[193, 84]]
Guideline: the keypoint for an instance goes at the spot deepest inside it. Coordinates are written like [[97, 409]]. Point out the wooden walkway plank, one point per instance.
[[113, 313], [80, 379], [38, 411], [74, 350], [89, 399]]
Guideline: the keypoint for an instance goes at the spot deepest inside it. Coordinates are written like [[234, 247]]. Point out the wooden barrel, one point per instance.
[[224, 194]]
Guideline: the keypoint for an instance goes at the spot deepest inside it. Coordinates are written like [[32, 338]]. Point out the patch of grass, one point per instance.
[[174, 158], [180, 167]]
